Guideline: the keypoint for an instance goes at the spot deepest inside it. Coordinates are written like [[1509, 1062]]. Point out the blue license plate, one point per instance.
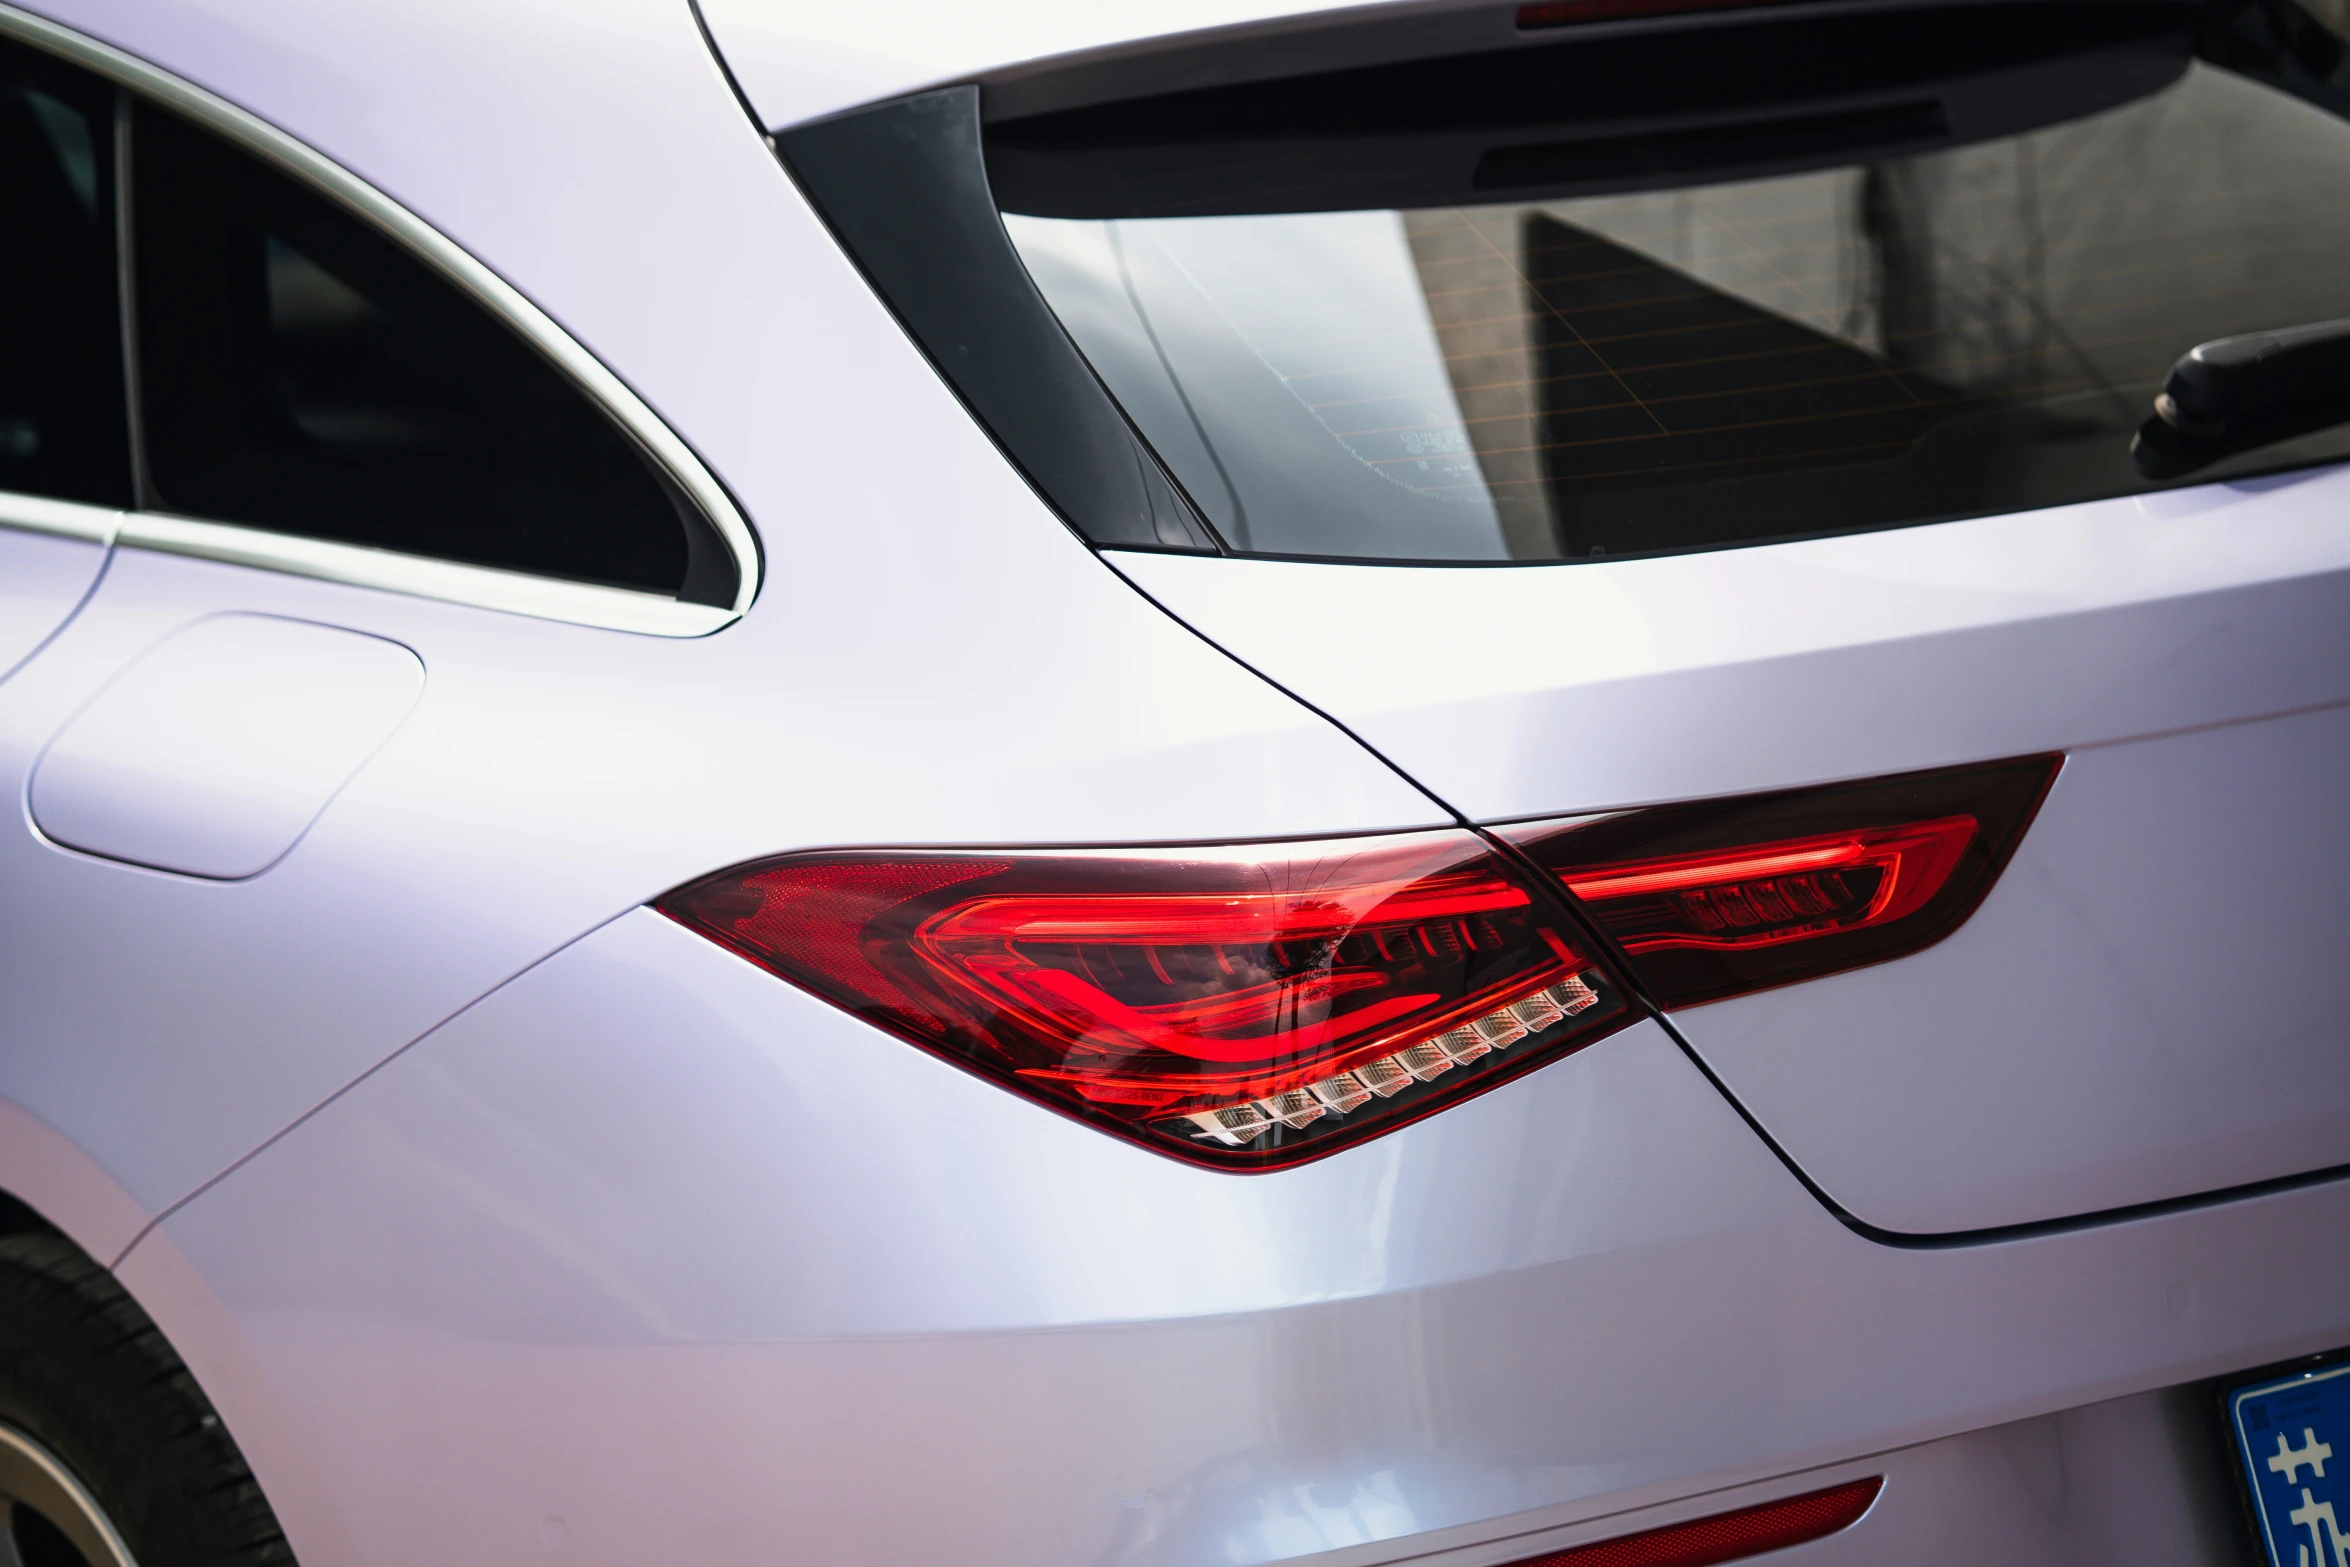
[[2293, 1434]]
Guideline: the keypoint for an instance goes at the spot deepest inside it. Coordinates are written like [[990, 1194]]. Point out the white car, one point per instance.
[[1068, 785]]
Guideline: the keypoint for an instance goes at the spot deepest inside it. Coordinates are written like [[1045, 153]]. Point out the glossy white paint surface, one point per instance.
[[2149, 1005], [648, 1256], [856, 1304], [43, 578], [553, 776], [796, 62], [1531, 690], [216, 749]]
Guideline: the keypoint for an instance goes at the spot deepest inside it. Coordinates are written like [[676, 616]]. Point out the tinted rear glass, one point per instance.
[[1682, 363], [62, 430]]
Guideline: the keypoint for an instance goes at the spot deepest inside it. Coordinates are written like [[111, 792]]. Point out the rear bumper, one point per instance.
[[648, 1254]]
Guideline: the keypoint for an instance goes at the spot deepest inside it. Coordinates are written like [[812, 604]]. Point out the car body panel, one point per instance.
[[501, 1218], [553, 776], [49, 1173], [1524, 691], [2147, 1006], [653, 1244], [43, 580], [452, 860], [2191, 650], [799, 62], [213, 751]]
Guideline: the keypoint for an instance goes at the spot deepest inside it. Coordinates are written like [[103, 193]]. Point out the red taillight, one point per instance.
[[1245, 1007], [1727, 1537], [1787, 891], [1718, 898]]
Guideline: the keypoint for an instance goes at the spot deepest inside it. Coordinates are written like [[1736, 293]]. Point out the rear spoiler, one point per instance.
[[1582, 108]]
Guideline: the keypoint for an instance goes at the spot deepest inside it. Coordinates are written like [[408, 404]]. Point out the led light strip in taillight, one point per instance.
[[1384, 1077], [1719, 897]]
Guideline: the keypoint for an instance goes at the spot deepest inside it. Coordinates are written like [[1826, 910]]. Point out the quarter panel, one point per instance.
[[43, 579], [647, 1139], [861, 1306], [215, 750], [45, 1171], [551, 777], [934, 659]]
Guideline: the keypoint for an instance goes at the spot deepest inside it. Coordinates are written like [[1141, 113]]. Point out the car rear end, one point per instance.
[[1805, 1018]]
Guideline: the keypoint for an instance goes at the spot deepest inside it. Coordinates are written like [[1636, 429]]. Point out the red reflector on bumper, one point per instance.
[[1727, 1537], [1244, 1007]]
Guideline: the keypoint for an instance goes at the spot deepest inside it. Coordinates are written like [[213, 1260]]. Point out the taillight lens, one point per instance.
[[1242, 1007], [1721, 897]]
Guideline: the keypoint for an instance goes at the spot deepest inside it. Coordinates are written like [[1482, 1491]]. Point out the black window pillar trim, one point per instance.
[[903, 186]]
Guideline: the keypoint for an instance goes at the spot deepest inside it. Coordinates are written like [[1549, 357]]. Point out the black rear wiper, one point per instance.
[[2236, 393]]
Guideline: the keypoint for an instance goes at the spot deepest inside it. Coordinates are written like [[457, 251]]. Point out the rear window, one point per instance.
[[1944, 279]]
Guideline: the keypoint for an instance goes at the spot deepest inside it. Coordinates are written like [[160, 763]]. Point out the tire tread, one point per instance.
[[84, 1371]]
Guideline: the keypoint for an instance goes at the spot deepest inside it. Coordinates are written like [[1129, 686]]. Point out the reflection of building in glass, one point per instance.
[[1487, 338], [1651, 377], [1584, 367], [1945, 335], [1986, 326]]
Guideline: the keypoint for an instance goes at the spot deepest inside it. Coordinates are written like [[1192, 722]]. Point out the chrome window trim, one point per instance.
[[523, 593], [421, 576], [65, 519]]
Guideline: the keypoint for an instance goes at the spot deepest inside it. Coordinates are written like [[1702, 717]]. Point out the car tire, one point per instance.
[[110, 1455]]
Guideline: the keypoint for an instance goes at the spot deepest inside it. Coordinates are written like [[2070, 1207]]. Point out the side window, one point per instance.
[[62, 427], [300, 372]]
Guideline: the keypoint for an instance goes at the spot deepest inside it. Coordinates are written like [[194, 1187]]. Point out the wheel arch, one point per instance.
[[48, 1184]]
